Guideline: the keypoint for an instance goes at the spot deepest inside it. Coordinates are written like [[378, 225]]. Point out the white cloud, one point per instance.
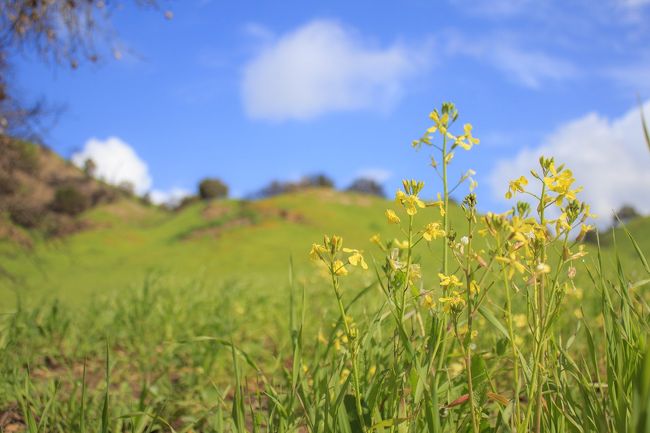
[[171, 197], [608, 157], [324, 67], [116, 162], [528, 67], [379, 175]]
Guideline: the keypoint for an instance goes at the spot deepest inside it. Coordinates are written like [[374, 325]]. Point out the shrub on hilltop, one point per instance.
[[212, 188]]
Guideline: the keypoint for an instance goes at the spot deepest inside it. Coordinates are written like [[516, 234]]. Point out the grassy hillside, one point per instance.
[[250, 241], [125, 242]]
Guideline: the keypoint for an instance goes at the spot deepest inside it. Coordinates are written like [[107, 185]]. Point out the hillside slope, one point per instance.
[[221, 240]]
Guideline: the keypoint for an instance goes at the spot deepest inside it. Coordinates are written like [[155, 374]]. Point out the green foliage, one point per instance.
[[69, 200], [458, 322], [366, 186], [26, 215], [210, 189]]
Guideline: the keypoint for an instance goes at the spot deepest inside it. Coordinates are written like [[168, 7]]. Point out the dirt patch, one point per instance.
[[348, 199], [217, 231], [215, 210], [267, 211], [11, 420]]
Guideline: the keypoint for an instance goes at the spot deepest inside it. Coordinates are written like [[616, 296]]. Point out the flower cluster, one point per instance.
[[331, 252]]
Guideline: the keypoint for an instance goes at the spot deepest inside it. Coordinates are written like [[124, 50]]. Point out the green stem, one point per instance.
[[468, 338], [515, 358], [353, 352], [442, 334]]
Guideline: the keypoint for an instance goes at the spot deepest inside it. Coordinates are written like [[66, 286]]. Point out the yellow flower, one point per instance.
[[402, 245], [466, 141], [441, 205], [452, 303], [338, 267], [376, 239], [449, 281], [392, 217], [474, 288], [428, 302], [520, 320], [344, 375], [415, 273], [584, 229], [410, 202], [515, 186], [512, 264], [433, 231], [317, 251], [356, 258], [560, 183]]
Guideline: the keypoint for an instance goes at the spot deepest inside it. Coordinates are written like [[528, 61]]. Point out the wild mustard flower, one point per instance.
[[520, 320], [402, 245], [433, 231], [356, 258], [317, 252], [440, 204], [453, 303], [415, 273], [428, 302], [515, 186], [411, 202], [338, 267], [467, 141], [584, 229], [392, 217], [450, 281], [512, 264]]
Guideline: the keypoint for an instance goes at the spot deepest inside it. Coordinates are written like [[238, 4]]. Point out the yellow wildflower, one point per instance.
[[512, 263], [428, 302], [449, 281], [466, 141], [452, 303], [520, 320], [584, 229], [392, 217], [317, 251], [338, 267], [356, 258], [515, 186], [441, 205], [474, 288], [344, 375], [415, 273], [410, 202], [433, 231], [402, 245]]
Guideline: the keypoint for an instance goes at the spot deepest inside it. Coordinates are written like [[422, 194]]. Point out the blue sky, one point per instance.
[[254, 91]]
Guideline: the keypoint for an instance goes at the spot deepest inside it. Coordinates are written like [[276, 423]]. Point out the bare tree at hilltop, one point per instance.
[[62, 31]]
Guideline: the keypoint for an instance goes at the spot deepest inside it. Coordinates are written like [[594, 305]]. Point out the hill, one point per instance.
[[42, 192], [118, 241]]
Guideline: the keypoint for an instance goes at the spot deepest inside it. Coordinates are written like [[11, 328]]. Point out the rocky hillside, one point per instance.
[[42, 192]]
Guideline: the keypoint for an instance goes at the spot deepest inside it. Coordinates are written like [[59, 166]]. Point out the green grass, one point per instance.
[[151, 321], [128, 242]]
